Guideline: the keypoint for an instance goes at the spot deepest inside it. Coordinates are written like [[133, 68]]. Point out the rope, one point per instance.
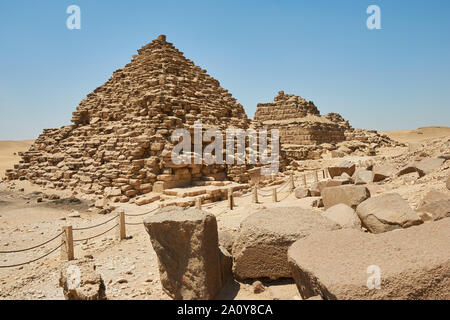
[[31, 261], [98, 235], [95, 226], [133, 223], [141, 214], [34, 247]]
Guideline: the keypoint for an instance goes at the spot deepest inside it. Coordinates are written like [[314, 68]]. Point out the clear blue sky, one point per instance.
[[394, 78]]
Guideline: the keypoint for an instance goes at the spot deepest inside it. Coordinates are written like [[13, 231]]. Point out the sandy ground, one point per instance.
[[8, 153], [130, 267], [419, 134]]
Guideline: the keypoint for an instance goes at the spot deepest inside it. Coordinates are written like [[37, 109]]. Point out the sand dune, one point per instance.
[[419, 134], [7, 150]]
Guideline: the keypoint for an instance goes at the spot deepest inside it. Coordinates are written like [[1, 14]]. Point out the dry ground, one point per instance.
[[130, 267]]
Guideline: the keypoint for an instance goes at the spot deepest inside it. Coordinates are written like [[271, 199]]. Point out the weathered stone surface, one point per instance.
[[447, 184], [414, 263], [410, 168], [434, 195], [317, 187], [387, 212], [186, 243], [346, 166], [80, 281], [226, 239], [381, 172], [362, 176], [348, 194], [428, 165], [438, 209], [301, 193], [343, 215], [264, 237]]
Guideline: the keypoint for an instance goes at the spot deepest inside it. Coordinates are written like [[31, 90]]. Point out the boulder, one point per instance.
[[343, 215], [362, 176], [80, 281], [348, 194], [345, 166], [226, 239], [381, 172], [428, 165], [437, 210], [301, 193], [434, 195], [260, 251], [186, 243], [410, 168], [317, 187], [413, 264], [387, 212]]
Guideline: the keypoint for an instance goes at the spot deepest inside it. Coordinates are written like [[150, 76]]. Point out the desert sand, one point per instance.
[[419, 134], [9, 153]]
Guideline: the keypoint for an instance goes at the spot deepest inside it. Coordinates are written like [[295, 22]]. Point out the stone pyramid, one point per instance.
[[119, 142]]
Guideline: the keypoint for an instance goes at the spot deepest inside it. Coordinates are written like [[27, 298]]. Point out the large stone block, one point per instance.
[[260, 250], [346, 166], [387, 212], [348, 194], [412, 264], [186, 243], [80, 281], [343, 215]]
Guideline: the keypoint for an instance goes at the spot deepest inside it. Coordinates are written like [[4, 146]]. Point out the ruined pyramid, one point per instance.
[[119, 142]]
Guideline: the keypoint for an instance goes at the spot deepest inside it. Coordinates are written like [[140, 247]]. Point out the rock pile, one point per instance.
[[305, 134], [119, 142]]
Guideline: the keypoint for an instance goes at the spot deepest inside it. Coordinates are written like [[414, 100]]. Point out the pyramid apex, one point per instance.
[[162, 37]]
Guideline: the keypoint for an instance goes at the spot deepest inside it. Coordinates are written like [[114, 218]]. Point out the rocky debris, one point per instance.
[[258, 287], [186, 243], [346, 166], [362, 176], [119, 144], [413, 264], [410, 168], [348, 194], [437, 209], [387, 212], [344, 216], [264, 237], [317, 187], [301, 193], [434, 195], [428, 165], [381, 172], [80, 281]]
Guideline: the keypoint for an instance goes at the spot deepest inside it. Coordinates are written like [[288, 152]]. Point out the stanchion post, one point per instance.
[[274, 195], [67, 252], [255, 194], [291, 182], [304, 180], [198, 203], [316, 176], [323, 173], [230, 199], [122, 230]]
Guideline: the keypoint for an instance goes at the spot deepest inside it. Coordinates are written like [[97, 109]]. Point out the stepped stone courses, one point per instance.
[[306, 134], [120, 137]]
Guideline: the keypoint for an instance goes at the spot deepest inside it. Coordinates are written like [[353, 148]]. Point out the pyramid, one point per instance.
[[119, 142]]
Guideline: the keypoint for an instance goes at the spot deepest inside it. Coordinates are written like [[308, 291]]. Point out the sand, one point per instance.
[[7, 150], [419, 134]]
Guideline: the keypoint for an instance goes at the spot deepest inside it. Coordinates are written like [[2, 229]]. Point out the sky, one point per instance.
[[397, 77]]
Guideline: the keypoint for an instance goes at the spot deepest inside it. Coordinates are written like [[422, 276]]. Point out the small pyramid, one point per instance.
[[119, 142]]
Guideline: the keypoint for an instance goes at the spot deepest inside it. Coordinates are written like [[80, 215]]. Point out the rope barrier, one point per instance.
[[133, 223], [95, 226], [34, 260], [98, 235], [141, 214], [34, 247]]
